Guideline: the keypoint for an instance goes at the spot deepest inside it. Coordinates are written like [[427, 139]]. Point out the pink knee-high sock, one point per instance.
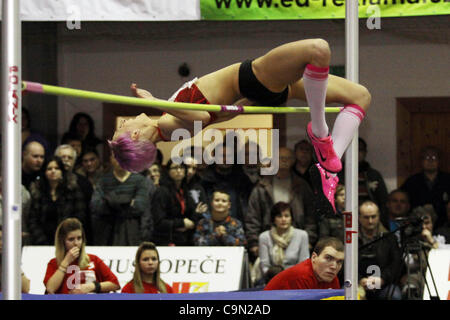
[[345, 126], [315, 80]]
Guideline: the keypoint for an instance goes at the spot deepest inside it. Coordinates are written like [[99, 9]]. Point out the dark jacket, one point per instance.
[[384, 253], [120, 211], [438, 195], [45, 214], [168, 217]]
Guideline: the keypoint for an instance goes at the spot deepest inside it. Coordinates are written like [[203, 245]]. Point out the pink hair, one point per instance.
[[133, 155]]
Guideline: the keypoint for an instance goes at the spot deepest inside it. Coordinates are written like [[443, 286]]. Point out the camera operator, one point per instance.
[[418, 241], [379, 256]]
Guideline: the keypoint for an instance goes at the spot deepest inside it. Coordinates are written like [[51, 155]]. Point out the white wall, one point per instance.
[[108, 57]]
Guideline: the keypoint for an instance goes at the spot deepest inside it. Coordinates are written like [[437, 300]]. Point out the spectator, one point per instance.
[[194, 187], [91, 167], [318, 272], [75, 142], [431, 185], [371, 185], [285, 187], [33, 158], [154, 173], [252, 166], [229, 176], [120, 208], [73, 270], [377, 247], [147, 274], [332, 225], [82, 126], [282, 245], [173, 213], [24, 280], [54, 197], [29, 134], [218, 228], [68, 156], [444, 230], [303, 159], [398, 208]]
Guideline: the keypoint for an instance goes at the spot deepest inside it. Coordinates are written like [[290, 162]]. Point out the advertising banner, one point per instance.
[[438, 274], [316, 9], [186, 269]]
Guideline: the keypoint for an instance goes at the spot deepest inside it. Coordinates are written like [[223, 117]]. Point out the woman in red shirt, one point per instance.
[[147, 277], [73, 270]]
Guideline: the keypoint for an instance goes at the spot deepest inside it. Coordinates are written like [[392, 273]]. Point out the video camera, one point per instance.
[[410, 226]]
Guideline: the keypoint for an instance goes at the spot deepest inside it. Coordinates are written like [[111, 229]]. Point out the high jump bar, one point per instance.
[[114, 98]]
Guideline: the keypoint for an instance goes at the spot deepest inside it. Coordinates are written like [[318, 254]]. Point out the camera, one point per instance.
[[410, 226]]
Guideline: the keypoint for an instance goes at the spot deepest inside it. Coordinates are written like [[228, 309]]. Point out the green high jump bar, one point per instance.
[[160, 104]]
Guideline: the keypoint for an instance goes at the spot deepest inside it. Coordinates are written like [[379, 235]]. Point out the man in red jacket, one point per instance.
[[318, 272]]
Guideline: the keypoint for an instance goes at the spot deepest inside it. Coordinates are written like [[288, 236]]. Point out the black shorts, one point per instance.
[[254, 90]]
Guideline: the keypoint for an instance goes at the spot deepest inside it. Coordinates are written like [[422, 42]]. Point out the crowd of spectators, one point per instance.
[[229, 204]]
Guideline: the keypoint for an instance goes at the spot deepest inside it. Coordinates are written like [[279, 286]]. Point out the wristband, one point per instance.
[[98, 288], [62, 269]]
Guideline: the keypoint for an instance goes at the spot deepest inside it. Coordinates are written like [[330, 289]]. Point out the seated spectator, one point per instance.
[[318, 272], [33, 157], [82, 126], [174, 215], [218, 228], [332, 225], [431, 185], [24, 280], [91, 167], [54, 197], [377, 247], [73, 270], [147, 275], [28, 134], [398, 209], [303, 160], [120, 208], [252, 165], [371, 185], [285, 186], [75, 142], [282, 245], [68, 156]]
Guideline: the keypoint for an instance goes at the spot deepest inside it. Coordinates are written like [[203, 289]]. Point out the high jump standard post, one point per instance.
[[11, 85], [351, 159]]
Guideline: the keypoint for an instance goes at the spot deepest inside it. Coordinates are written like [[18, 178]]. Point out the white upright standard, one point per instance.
[[351, 159], [11, 88]]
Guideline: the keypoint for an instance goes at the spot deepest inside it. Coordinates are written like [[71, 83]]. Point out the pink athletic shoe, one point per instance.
[[324, 152], [324, 186]]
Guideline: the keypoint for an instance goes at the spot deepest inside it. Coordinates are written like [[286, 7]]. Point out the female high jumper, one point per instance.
[[296, 70]]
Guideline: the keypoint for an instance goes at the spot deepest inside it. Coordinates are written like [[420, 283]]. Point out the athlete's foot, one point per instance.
[[324, 152], [324, 186], [140, 93]]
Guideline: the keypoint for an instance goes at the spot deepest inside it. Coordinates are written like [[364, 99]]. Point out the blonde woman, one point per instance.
[[147, 278], [73, 270]]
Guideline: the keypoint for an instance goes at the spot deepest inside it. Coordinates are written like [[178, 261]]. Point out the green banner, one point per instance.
[[317, 9]]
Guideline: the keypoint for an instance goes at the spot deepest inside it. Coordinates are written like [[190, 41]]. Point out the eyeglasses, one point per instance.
[[432, 158]]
